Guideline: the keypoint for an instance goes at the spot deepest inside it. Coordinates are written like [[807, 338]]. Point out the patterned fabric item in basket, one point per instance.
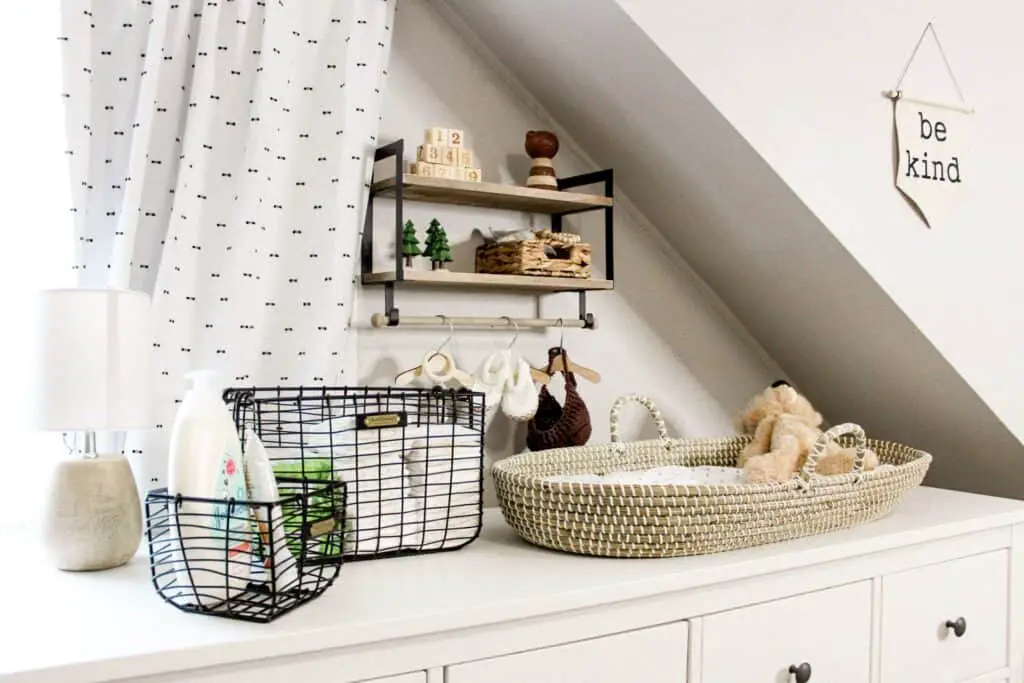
[[531, 257], [643, 521]]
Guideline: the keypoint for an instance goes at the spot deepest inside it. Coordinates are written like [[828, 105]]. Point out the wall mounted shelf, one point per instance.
[[444, 278], [490, 195], [404, 187]]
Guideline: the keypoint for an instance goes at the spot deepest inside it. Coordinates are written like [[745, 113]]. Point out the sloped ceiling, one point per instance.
[[837, 334]]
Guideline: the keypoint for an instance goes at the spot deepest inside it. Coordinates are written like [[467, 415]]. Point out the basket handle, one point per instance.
[[818, 450], [646, 402]]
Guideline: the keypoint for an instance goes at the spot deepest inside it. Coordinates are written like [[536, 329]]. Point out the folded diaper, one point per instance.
[[445, 525], [458, 485], [441, 470], [390, 525], [454, 448], [371, 478], [412, 487], [450, 500], [437, 507], [339, 437], [432, 433]]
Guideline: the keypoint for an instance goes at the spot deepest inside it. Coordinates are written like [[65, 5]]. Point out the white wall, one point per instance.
[[802, 80], [749, 232], [661, 332]]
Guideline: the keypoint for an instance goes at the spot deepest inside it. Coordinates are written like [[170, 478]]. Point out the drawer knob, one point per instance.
[[959, 627], [802, 672]]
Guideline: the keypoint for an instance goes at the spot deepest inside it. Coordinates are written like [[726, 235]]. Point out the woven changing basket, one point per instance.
[[644, 520], [528, 257]]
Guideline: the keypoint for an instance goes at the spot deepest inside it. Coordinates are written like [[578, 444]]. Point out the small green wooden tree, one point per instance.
[[442, 251], [410, 245], [429, 244]]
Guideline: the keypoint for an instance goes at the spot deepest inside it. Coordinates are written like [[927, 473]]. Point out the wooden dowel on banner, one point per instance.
[[898, 95]]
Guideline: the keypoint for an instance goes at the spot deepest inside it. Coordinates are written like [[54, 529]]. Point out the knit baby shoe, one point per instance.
[[492, 376], [519, 401]]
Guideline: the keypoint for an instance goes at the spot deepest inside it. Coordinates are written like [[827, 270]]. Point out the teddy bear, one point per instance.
[[784, 427]]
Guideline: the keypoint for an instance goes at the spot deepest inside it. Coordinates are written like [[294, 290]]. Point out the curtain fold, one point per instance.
[[220, 153]]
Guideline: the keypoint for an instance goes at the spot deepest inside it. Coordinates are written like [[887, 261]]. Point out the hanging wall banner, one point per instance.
[[933, 164], [932, 147]]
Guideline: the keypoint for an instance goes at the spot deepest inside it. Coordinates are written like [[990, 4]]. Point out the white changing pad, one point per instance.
[[705, 475], [667, 475]]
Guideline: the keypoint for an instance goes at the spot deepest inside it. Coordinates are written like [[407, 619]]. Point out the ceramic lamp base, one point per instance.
[[93, 516]]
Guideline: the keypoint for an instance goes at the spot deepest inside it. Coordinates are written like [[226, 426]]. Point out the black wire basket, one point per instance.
[[411, 459], [246, 560]]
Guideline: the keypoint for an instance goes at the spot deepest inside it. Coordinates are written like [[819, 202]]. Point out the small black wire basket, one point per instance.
[[246, 560], [412, 459]]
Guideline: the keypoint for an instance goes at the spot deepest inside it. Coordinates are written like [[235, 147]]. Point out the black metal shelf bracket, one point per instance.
[[390, 310], [607, 178], [396, 151], [587, 318]]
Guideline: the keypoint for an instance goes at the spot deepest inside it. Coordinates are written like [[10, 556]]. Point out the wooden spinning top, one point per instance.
[[542, 146]]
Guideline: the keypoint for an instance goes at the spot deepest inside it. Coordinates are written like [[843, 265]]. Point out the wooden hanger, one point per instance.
[[558, 362], [539, 375], [438, 366]]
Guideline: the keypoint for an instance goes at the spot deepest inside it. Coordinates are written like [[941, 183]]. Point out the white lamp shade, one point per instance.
[[91, 358]]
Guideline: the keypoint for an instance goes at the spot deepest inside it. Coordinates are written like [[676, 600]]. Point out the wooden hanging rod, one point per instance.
[[381, 320]]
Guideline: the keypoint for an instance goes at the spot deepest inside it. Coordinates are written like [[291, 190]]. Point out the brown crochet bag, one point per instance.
[[556, 426]]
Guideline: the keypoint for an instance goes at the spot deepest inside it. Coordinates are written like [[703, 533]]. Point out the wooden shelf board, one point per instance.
[[490, 195], [445, 278]]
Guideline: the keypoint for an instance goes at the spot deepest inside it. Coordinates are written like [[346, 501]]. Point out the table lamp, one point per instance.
[[91, 374]]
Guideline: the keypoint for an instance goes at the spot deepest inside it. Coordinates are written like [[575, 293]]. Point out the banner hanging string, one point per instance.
[[895, 93]]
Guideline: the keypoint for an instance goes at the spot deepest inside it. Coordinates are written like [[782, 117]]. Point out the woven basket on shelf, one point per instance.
[[645, 520], [528, 257]]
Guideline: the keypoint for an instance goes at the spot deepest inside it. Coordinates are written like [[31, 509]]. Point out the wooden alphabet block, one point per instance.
[[473, 174], [436, 136], [422, 168], [466, 158], [450, 156], [430, 153], [454, 138], [442, 171]]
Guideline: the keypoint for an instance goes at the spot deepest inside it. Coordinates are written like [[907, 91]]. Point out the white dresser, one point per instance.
[[931, 594]]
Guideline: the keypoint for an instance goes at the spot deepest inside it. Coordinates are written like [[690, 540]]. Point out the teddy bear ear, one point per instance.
[[780, 383]]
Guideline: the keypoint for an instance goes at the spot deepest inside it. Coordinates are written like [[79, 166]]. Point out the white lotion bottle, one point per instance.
[[205, 461], [259, 471]]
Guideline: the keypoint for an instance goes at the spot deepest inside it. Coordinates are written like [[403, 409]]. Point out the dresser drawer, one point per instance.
[[829, 631], [917, 603], [651, 655], [325, 667]]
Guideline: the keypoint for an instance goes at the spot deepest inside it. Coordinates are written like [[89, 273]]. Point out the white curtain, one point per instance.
[[220, 152]]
